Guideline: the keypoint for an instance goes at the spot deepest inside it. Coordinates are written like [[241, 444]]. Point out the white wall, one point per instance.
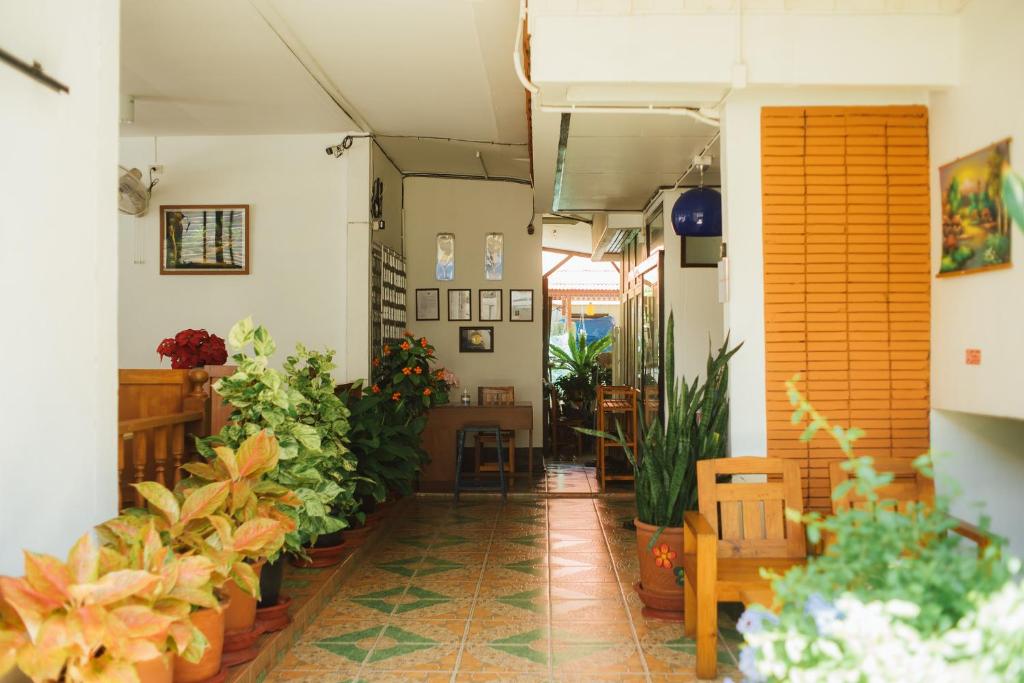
[[981, 311], [471, 209], [58, 275], [741, 206], [298, 242]]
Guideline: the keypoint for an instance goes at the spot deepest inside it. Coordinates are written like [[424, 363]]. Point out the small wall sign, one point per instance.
[[972, 356]]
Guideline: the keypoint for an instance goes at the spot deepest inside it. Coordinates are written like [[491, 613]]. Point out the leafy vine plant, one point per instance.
[[893, 597]]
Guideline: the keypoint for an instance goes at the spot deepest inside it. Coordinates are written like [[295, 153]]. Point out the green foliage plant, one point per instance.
[[694, 429], [265, 399], [582, 371], [899, 566], [404, 374]]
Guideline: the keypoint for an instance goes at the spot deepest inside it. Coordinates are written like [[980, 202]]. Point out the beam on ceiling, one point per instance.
[[277, 24]]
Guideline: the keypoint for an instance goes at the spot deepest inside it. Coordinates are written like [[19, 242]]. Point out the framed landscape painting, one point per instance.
[[975, 222], [204, 239]]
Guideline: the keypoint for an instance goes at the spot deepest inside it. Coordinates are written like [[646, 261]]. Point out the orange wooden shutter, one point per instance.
[[846, 278]]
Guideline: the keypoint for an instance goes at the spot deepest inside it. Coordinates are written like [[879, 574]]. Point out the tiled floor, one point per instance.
[[565, 478], [530, 590]]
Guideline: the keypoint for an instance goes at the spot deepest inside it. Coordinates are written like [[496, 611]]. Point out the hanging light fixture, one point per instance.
[[698, 212]]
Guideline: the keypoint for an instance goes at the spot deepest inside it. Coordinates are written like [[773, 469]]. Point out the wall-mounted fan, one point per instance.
[[133, 194]]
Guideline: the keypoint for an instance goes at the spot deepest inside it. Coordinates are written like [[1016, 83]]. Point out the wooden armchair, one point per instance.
[[741, 527], [908, 486]]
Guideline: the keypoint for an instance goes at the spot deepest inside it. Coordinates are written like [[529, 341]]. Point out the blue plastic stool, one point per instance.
[[477, 485]]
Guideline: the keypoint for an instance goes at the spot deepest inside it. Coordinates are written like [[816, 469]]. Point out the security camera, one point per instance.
[[339, 149]]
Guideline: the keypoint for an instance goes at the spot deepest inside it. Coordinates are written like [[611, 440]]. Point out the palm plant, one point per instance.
[[696, 417], [582, 369]]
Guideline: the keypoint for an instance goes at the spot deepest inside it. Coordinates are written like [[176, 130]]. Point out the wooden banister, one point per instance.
[[150, 447]]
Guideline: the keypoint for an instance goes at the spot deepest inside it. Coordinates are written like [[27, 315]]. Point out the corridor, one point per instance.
[[535, 589]]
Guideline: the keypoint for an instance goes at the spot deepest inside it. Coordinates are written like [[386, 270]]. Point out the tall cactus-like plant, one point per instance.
[[694, 428]]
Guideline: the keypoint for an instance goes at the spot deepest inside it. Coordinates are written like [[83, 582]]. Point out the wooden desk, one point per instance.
[[439, 437]]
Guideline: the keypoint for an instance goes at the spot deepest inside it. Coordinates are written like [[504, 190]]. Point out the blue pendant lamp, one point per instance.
[[698, 213]]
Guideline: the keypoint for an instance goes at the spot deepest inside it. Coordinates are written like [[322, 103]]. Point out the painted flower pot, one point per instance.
[[240, 614], [271, 579], [157, 670], [661, 595], [211, 623]]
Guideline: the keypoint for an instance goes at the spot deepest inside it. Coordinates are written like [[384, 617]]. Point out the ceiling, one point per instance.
[[615, 162], [438, 69]]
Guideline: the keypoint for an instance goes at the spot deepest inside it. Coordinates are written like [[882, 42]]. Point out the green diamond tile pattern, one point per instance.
[[529, 567], [531, 600], [400, 600], [535, 589]]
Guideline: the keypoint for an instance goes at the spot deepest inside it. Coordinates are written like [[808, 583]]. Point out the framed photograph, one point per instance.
[[444, 268], [494, 256], [428, 304], [460, 304], [490, 305], [975, 224], [476, 339], [521, 305], [204, 239]]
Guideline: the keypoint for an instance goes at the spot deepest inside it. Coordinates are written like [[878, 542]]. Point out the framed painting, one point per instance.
[[444, 268], [460, 304], [476, 340], [975, 222], [490, 305], [494, 256], [428, 304], [521, 305], [204, 239]]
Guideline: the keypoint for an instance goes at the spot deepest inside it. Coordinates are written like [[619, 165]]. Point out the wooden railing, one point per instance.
[[162, 413]]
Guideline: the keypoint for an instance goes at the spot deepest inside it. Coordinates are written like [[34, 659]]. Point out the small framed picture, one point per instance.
[[428, 304], [460, 304], [521, 305], [490, 305], [476, 339], [204, 239]]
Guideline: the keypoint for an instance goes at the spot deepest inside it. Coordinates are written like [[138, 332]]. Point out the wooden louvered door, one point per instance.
[[847, 279]]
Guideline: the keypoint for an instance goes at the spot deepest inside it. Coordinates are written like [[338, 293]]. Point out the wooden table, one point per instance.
[[439, 437]]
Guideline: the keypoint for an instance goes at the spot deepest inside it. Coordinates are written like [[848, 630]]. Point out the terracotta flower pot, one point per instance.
[[211, 623], [327, 556], [356, 537], [276, 617], [658, 589], [240, 614], [157, 670]]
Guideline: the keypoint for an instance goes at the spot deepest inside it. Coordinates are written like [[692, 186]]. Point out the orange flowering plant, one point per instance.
[[404, 373]]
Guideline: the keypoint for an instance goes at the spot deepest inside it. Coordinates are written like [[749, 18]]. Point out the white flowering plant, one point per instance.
[[894, 597]]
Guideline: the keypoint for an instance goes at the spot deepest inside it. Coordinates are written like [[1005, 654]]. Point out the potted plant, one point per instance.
[[894, 594], [192, 349], [665, 470], [263, 398], [94, 618], [578, 373]]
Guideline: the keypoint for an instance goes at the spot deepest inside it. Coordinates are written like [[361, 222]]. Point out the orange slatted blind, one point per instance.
[[847, 279]]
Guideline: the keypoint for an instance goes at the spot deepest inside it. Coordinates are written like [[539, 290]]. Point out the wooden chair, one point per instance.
[[908, 486], [496, 396], [562, 428], [741, 527]]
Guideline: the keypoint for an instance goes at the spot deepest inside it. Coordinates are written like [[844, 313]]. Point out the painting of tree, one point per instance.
[[204, 239]]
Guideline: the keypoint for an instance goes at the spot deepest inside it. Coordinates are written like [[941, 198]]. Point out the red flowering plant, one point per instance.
[[192, 349], [404, 373]]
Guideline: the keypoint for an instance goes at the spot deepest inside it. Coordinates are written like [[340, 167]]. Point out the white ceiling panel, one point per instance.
[[419, 155], [616, 162], [215, 68]]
